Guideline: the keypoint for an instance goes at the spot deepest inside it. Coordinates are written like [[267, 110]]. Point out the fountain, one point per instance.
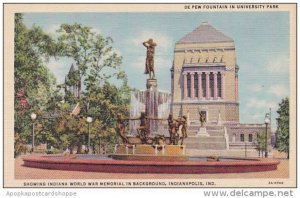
[[146, 149], [155, 103]]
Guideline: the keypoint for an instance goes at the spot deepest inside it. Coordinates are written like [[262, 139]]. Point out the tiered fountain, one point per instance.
[[156, 105]]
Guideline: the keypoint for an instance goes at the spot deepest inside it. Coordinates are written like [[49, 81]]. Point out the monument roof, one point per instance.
[[205, 33]]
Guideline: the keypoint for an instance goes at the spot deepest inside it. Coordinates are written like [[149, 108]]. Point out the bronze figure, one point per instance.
[[150, 45], [183, 123], [120, 128], [173, 128]]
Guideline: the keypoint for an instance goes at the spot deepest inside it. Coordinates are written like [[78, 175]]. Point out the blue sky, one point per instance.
[[261, 39]]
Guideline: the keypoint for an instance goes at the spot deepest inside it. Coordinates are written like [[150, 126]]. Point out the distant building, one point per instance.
[[73, 82], [205, 79]]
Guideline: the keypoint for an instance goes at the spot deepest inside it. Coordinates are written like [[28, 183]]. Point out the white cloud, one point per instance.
[[163, 41], [52, 29], [255, 87], [59, 68], [280, 64], [261, 104], [278, 90], [96, 30]]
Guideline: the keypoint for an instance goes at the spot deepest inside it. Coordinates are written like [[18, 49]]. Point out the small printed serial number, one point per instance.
[[276, 182]]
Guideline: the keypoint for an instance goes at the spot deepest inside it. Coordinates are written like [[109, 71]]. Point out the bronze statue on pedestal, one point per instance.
[[150, 45]]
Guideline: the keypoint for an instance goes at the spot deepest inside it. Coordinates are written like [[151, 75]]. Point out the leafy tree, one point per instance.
[[261, 139], [283, 130], [19, 144], [99, 67], [32, 47]]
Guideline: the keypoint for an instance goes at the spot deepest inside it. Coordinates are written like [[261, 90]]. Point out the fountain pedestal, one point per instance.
[[151, 83], [150, 152]]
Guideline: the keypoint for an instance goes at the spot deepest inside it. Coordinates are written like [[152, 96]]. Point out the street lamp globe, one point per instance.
[[33, 116], [267, 118], [89, 119]]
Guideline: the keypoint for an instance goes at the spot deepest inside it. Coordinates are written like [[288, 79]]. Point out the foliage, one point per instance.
[[90, 51], [54, 151], [32, 47], [105, 96], [98, 65], [19, 144], [283, 130], [49, 151], [261, 139]]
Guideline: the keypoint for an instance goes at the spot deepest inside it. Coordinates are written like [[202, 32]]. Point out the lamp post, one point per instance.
[[89, 120], [33, 117], [267, 121]]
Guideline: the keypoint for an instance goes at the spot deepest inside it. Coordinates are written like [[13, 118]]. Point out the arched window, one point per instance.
[[234, 137]]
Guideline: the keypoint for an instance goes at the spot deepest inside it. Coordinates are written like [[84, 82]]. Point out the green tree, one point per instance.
[[32, 47], [261, 139], [283, 130], [99, 66], [19, 145], [69, 128]]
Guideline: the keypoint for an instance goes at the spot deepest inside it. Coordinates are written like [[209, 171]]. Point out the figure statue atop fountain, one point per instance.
[[149, 69]]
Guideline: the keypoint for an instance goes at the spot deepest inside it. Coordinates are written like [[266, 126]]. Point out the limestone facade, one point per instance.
[[204, 79], [205, 76]]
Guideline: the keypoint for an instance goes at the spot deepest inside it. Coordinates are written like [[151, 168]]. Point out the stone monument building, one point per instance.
[[205, 76], [204, 79]]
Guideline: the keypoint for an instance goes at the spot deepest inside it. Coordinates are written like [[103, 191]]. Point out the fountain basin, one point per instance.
[[99, 163]]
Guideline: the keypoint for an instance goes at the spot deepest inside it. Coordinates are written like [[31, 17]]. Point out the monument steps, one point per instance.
[[194, 143], [214, 141], [211, 139]]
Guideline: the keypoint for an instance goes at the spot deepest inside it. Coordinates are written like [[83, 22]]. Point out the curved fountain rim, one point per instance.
[[237, 162]]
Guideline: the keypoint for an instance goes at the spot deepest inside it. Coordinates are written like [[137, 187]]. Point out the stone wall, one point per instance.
[[229, 111]]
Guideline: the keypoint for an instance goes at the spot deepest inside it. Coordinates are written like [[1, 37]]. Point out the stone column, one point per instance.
[[184, 86], [236, 88], [222, 85], [199, 86], [207, 85], [215, 86], [192, 85]]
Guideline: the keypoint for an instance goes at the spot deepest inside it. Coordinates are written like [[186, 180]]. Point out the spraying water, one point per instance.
[[155, 103]]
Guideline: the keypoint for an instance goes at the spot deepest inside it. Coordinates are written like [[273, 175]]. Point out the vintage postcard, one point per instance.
[[149, 95]]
